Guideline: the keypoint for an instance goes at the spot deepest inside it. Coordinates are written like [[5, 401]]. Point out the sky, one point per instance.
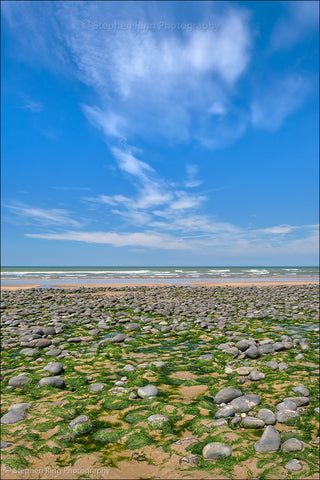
[[159, 133]]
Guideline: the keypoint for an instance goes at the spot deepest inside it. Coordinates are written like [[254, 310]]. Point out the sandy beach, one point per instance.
[[260, 283]]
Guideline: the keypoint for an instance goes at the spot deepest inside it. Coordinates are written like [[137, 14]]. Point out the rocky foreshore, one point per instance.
[[160, 382]]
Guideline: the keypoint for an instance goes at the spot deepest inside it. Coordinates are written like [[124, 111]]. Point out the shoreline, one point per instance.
[[199, 283]]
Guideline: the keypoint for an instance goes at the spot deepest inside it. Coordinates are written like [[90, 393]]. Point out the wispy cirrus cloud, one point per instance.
[[145, 239], [50, 216], [283, 97], [300, 20]]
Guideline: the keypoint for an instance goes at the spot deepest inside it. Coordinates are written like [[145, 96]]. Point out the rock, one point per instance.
[[53, 352], [252, 352], [20, 406], [304, 391], [244, 370], [278, 346], [266, 349], [29, 352], [4, 445], [284, 416], [14, 416], [299, 401], [221, 422], [267, 416], [286, 405], [252, 422], [119, 383], [19, 381], [206, 356], [129, 368], [120, 337], [79, 421], [283, 366], [51, 382], [226, 395], [246, 403], [273, 365], [215, 450], [256, 376], [54, 367], [226, 411], [159, 364], [40, 343], [148, 391], [293, 465], [243, 345], [292, 445], [96, 387], [235, 420], [191, 460], [269, 441], [158, 419]]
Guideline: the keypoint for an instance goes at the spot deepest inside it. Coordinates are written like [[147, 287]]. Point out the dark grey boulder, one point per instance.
[[285, 416], [81, 419], [19, 381], [118, 338], [292, 445], [20, 406], [267, 416], [29, 352], [266, 349], [227, 394], [57, 382], [256, 376], [246, 403], [206, 357], [252, 422], [252, 352], [303, 391], [269, 442], [14, 416], [299, 401], [226, 411], [54, 367], [40, 343]]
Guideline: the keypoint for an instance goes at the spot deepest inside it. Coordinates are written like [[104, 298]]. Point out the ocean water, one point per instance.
[[177, 275]]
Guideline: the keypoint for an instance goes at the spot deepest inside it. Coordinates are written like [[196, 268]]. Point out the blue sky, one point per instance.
[[160, 133]]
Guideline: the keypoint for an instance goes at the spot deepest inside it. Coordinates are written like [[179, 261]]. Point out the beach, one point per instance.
[[130, 380]]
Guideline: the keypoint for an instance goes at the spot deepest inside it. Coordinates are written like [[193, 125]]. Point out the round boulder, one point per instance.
[[215, 450]]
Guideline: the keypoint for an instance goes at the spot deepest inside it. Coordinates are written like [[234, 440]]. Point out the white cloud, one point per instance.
[[111, 124], [301, 20], [283, 97], [152, 240], [54, 216]]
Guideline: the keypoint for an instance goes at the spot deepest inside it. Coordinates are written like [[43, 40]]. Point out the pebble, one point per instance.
[[252, 422], [4, 445], [304, 391], [256, 376], [226, 411]]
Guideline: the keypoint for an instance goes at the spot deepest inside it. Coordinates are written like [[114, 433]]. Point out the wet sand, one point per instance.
[[11, 288]]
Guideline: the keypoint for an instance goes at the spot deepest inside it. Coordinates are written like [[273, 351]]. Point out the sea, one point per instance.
[[50, 276]]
